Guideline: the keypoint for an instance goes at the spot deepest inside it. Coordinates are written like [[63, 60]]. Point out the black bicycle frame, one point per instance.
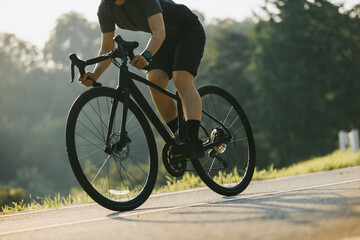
[[127, 87]]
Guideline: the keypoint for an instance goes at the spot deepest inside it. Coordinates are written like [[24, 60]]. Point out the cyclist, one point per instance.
[[174, 51]]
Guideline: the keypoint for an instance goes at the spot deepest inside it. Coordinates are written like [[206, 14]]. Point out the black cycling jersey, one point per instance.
[[133, 15], [184, 44]]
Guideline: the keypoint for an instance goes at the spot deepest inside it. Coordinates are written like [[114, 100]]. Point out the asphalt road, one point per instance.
[[322, 205]]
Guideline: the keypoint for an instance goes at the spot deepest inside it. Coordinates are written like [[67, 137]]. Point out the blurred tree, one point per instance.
[[226, 59], [73, 33], [32, 120], [17, 58], [17, 54], [305, 65], [200, 15], [35, 183]]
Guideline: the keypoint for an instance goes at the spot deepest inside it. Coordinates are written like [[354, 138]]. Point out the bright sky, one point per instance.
[[33, 20]]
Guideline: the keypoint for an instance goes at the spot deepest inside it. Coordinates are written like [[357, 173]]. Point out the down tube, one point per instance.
[[144, 105]]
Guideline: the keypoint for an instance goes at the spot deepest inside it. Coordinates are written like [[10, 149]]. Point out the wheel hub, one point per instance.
[[119, 151], [217, 134]]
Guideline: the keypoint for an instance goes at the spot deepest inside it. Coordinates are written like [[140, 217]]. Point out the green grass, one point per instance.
[[188, 181], [335, 160], [47, 202]]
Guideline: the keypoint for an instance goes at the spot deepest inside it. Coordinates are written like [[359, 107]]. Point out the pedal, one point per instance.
[[178, 158]]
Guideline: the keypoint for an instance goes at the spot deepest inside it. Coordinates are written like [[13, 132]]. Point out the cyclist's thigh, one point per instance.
[[164, 57], [189, 51]]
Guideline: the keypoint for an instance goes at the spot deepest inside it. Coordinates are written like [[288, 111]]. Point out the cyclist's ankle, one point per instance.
[[173, 125], [192, 129]]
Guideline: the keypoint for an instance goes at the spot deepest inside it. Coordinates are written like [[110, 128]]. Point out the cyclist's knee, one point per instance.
[[159, 77], [183, 81]]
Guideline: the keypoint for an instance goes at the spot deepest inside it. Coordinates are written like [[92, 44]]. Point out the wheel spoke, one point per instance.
[[89, 154], [93, 124], [227, 115], [100, 169]]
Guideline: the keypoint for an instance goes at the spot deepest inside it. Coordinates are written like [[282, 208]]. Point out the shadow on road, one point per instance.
[[303, 207]]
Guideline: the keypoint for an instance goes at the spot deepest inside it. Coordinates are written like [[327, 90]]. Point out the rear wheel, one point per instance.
[[228, 166], [118, 176]]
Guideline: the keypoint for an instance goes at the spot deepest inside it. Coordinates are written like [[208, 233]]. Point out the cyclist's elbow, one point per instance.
[[105, 50], [160, 35], [107, 43]]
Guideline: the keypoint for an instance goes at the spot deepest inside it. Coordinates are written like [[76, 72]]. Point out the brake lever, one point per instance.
[[75, 61], [95, 83], [72, 72]]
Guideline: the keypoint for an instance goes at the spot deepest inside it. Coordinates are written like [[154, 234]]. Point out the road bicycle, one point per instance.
[[113, 152]]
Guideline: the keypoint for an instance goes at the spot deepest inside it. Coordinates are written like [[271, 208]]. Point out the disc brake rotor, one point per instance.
[[119, 154]]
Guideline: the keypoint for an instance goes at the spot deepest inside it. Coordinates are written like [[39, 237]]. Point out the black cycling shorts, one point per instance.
[[182, 53]]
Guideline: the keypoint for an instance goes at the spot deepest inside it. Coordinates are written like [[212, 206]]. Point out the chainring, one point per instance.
[[175, 169]]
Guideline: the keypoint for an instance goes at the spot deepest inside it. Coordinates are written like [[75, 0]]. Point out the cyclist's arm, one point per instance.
[[107, 45], [157, 27]]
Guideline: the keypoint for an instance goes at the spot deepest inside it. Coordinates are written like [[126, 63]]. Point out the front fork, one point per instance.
[[124, 91]]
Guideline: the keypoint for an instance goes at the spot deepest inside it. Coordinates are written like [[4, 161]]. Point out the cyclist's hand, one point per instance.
[[139, 62], [86, 79]]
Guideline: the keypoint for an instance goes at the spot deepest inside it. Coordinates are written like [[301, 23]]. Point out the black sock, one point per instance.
[[192, 129], [173, 125]]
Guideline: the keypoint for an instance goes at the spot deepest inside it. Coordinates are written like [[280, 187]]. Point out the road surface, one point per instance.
[[323, 205]]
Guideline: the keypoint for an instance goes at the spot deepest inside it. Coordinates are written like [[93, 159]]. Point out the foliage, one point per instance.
[[9, 195], [305, 69], [226, 60]]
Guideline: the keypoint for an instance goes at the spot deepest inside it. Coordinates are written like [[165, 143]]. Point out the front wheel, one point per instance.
[[119, 175], [228, 166]]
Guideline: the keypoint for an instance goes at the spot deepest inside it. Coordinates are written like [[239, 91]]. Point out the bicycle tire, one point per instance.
[[126, 178], [238, 154]]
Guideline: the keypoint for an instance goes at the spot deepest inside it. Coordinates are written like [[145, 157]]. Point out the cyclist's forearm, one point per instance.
[[157, 27], [101, 67], [155, 42]]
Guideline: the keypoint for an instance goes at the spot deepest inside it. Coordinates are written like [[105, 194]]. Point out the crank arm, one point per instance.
[[224, 163]]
